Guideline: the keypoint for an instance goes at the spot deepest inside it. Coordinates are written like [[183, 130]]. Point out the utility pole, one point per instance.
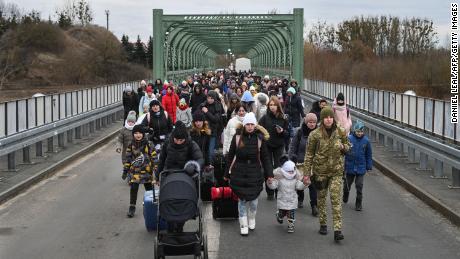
[[107, 12]]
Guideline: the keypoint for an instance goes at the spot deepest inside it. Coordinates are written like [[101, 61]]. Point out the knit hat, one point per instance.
[[198, 116], [358, 125], [291, 89], [252, 88], [266, 77], [149, 89], [326, 112], [249, 118], [131, 117], [138, 128], [154, 102], [262, 98], [128, 89], [340, 97], [180, 131], [143, 83], [311, 117], [182, 102], [247, 97]]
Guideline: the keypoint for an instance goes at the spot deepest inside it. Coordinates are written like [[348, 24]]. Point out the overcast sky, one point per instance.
[[134, 17]]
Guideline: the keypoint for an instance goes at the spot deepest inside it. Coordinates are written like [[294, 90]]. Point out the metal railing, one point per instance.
[[401, 138], [425, 114]]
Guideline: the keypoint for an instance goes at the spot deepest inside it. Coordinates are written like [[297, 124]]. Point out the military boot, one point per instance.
[[338, 235], [359, 204], [131, 211], [323, 230]]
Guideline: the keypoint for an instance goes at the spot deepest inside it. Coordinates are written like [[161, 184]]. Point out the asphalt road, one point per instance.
[[81, 213]]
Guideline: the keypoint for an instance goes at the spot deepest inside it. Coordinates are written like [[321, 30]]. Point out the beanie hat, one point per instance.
[[291, 89], [154, 102], [252, 88], [247, 97], [143, 83], [198, 116], [326, 112], [131, 116], [249, 118], [358, 125], [340, 97], [180, 131], [138, 128], [128, 89], [182, 102], [149, 89], [311, 117], [266, 77], [262, 98]]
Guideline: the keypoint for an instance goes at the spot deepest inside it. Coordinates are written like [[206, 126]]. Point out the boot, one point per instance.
[[338, 235], [251, 220], [300, 205], [278, 217], [358, 205], [345, 196], [290, 228], [323, 229], [124, 175], [314, 211], [244, 231], [131, 211]]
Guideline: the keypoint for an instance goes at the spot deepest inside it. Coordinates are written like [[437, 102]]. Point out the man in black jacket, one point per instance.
[[213, 111], [130, 102]]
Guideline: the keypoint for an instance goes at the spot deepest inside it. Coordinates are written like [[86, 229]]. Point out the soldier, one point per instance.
[[324, 163]]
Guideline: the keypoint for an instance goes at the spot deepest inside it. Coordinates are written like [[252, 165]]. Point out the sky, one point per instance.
[[134, 17]]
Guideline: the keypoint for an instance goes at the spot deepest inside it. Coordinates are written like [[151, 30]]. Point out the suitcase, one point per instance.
[[207, 182], [224, 203], [150, 212], [219, 164]]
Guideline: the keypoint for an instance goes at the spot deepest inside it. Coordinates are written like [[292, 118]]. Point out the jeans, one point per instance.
[[212, 148], [245, 206]]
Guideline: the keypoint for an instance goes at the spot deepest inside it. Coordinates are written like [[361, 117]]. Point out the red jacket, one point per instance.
[[169, 102]]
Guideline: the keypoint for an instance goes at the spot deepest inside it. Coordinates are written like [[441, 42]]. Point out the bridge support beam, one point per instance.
[[438, 172], [423, 166], [455, 178]]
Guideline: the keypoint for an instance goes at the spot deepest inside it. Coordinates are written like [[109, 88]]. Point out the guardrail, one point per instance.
[[425, 114], [400, 139]]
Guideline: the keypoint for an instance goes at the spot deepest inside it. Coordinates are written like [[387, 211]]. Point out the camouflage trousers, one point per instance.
[[335, 187]]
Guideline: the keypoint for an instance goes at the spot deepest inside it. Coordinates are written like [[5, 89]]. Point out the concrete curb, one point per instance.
[[427, 198], [51, 170]]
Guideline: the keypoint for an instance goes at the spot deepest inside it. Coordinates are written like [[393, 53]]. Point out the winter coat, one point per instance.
[[287, 189], [245, 173], [269, 122], [202, 137], [299, 142], [214, 116], [294, 108], [159, 126], [342, 116], [324, 157], [170, 102], [230, 131], [145, 100], [130, 103], [316, 109], [125, 137], [138, 164], [197, 99], [185, 115], [359, 158], [261, 109], [175, 156]]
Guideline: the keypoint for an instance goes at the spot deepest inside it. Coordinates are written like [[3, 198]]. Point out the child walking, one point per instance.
[[138, 165], [288, 180], [357, 161], [125, 137]]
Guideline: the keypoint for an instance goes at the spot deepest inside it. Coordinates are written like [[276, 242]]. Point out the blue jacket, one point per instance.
[[359, 158]]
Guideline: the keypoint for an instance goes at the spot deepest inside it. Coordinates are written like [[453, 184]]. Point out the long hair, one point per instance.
[[279, 110], [205, 129]]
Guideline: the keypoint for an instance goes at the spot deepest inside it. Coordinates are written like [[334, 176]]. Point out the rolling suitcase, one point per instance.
[[224, 203], [207, 182], [150, 212], [219, 164]]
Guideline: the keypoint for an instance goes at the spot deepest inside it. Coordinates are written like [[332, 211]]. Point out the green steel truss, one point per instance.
[[186, 44]]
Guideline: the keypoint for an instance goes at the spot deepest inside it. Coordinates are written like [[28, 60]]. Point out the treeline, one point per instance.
[[381, 52], [138, 52]]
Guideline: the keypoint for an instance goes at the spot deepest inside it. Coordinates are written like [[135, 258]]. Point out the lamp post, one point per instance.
[[107, 12]]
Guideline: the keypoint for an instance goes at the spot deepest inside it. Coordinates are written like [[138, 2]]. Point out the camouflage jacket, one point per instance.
[[323, 156]]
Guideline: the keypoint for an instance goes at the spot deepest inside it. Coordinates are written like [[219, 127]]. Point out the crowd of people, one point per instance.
[[262, 128]]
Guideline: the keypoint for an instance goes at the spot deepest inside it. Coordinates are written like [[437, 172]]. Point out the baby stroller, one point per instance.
[[179, 202]]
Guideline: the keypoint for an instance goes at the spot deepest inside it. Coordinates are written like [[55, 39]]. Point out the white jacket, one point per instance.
[[229, 131], [287, 189]]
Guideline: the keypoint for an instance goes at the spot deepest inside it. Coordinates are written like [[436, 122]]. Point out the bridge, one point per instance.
[[61, 194]]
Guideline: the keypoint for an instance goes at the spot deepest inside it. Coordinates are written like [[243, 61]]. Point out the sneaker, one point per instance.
[[323, 230], [131, 211], [338, 235], [290, 228], [124, 175], [278, 218], [300, 205]]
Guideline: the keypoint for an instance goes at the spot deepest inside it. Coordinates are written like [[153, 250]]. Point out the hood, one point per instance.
[[261, 131]]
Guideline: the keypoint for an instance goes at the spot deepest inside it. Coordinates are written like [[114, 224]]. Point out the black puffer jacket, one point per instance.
[[293, 107], [214, 114], [197, 99], [175, 156], [202, 139], [269, 122], [246, 178], [130, 103], [159, 126]]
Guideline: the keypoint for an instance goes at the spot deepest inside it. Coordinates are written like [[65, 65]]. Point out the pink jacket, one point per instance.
[[342, 116]]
